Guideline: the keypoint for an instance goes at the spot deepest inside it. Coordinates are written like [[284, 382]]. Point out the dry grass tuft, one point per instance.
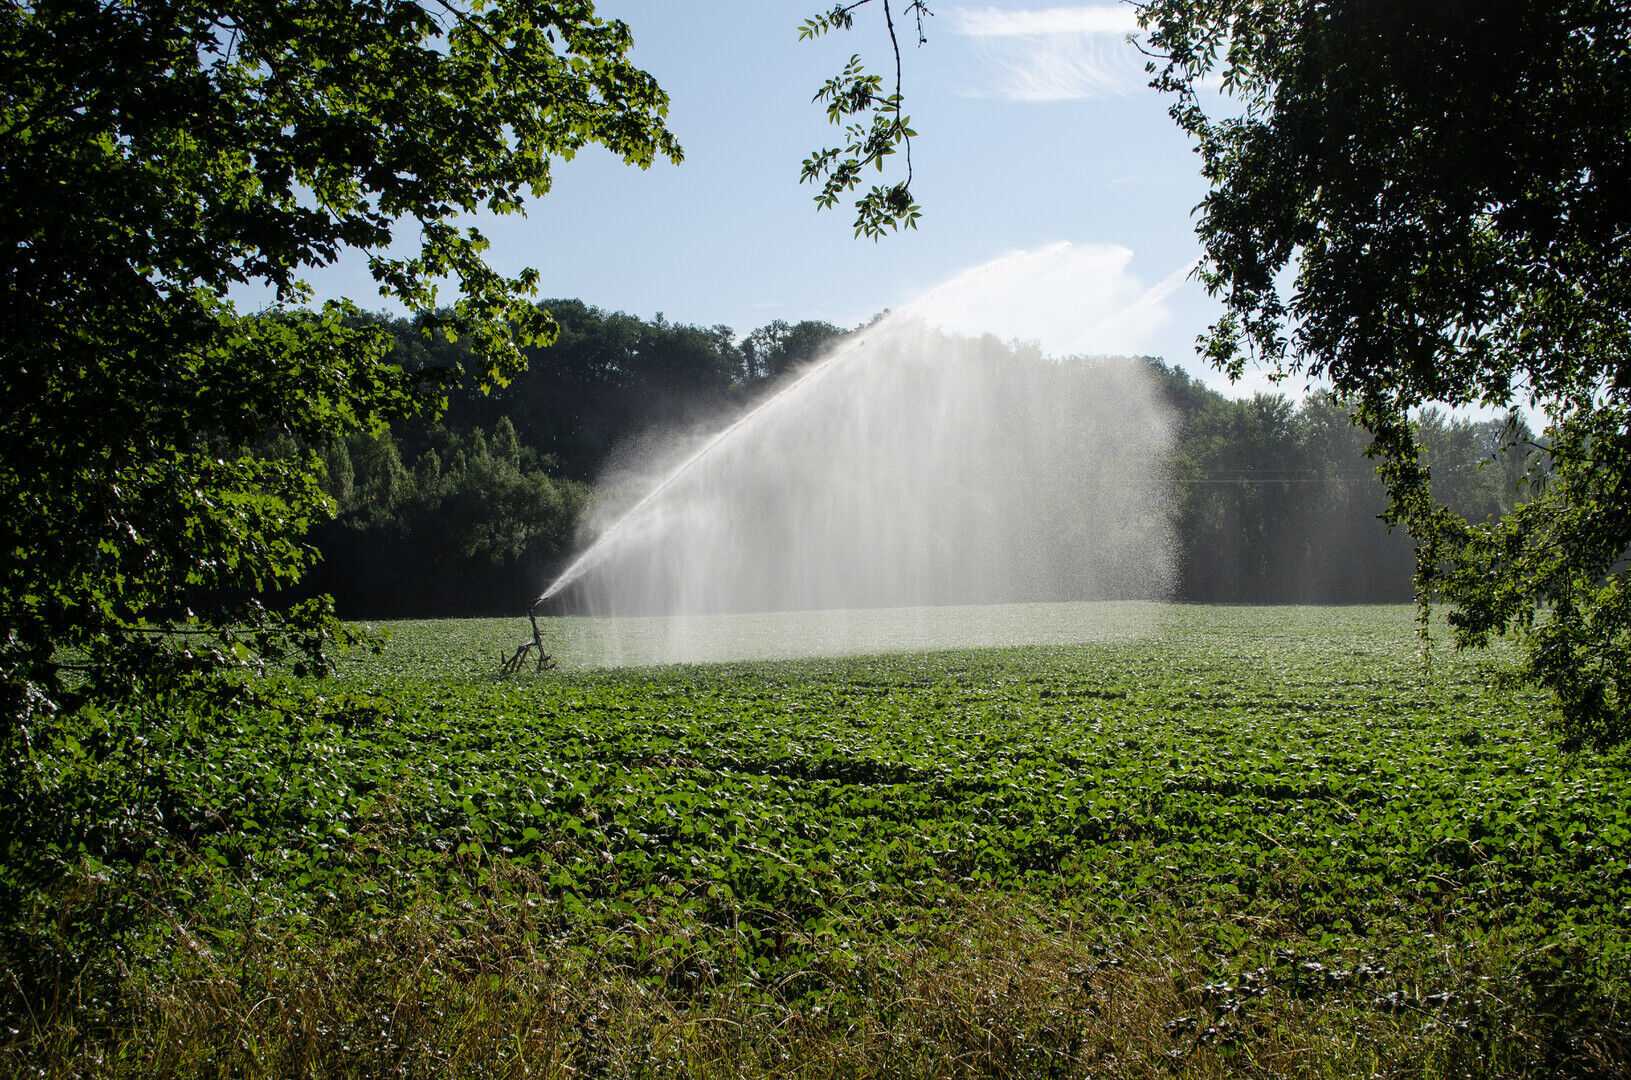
[[989, 987]]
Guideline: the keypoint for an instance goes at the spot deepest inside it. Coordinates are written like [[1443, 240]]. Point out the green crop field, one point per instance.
[[1198, 842]]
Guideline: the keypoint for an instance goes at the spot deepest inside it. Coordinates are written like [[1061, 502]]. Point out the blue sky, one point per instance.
[[1036, 134]]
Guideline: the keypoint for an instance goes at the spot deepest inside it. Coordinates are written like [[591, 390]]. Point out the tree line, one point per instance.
[[464, 514], [1270, 500], [1275, 501]]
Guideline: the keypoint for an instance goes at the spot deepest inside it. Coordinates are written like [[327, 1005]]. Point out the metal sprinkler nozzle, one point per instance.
[[545, 661]]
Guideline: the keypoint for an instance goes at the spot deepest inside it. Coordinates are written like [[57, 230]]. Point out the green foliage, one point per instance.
[[778, 347], [453, 529], [157, 155], [1566, 550], [1424, 204], [611, 377], [883, 128], [1275, 502], [468, 495]]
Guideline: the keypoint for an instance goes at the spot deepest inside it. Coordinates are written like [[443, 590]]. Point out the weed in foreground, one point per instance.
[[986, 985]]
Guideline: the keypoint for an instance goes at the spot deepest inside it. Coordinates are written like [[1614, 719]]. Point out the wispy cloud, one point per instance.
[[1068, 298], [1052, 54], [996, 22]]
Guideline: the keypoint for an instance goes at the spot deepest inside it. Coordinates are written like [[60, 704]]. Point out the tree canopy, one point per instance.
[[157, 154], [1427, 203]]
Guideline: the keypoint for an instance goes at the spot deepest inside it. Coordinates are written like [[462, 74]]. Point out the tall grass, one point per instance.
[[988, 985]]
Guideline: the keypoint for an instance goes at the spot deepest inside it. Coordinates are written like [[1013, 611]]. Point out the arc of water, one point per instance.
[[587, 558]]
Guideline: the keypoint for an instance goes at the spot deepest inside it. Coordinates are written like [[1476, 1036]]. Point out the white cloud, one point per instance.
[[995, 22], [1053, 54], [1071, 299]]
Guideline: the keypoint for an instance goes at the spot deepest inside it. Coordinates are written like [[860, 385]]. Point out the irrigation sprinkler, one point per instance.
[[545, 661]]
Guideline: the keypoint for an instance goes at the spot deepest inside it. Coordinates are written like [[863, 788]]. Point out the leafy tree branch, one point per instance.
[[875, 127]]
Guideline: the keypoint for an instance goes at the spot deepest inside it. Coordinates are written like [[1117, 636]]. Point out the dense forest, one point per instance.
[[1271, 500]]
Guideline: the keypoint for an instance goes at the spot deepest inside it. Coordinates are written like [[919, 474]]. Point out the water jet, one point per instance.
[[909, 469]]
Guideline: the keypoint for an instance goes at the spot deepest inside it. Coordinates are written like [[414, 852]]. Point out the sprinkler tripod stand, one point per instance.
[[545, 661]]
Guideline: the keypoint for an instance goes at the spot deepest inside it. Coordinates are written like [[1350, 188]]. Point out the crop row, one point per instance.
[[1346, 803]]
